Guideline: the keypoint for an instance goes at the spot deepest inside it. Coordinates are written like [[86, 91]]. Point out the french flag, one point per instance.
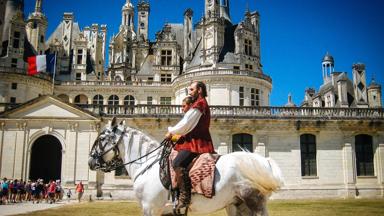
[[41, 63]]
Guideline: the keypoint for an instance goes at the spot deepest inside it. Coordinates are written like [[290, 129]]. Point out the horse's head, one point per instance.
[[105, 155]]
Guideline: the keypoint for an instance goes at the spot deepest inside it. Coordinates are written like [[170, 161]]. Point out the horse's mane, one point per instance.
[[146, 145]]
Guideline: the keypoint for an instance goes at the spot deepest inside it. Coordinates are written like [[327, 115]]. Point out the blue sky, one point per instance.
[[295, 34]]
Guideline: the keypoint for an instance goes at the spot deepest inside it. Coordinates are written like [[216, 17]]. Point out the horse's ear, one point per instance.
[[114, 121]]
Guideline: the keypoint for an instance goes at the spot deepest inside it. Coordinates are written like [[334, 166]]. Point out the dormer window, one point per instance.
[[166, 57]]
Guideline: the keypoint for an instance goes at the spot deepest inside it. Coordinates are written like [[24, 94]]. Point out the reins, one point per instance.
[[133, 161]]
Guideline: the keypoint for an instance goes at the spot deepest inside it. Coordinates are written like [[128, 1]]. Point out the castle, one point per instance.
[[331, 145]]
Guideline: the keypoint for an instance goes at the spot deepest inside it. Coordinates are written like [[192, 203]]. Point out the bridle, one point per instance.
[[113, 136], [108, 138]]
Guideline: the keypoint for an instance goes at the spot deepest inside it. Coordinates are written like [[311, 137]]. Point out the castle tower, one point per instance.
[[142, 23], [374, 95], [36, 28], [213, 30], [328, 66], [359, 85], [10, 10], [212, 8], [127, 16], [188, 44]]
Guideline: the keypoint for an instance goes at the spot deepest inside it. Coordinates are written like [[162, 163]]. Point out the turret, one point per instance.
[[10, 10], [36, 28], [212, 8], [127, 16], [142, 23], [328, 67], [374, 95]]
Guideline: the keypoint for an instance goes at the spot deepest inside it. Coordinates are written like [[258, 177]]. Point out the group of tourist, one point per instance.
[[18, 191]]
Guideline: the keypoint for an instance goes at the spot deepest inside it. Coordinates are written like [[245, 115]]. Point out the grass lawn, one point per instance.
[[361, 207]]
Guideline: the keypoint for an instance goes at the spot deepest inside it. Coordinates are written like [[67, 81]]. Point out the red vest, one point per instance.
[[199, 139]]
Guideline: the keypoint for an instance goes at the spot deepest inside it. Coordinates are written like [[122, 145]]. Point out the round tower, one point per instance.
[[127, 16], [36, 28], [374, 95], [328, 66]]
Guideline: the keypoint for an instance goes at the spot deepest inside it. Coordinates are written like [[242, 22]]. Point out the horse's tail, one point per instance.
[[258, 172]]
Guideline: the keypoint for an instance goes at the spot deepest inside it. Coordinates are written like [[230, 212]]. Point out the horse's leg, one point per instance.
[[253, 199], [239, 209]]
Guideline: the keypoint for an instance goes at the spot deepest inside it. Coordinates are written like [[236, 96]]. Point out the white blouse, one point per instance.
[[187, 123]]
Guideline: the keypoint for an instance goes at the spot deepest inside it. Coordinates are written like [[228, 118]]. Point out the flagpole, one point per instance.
[[54, 74]]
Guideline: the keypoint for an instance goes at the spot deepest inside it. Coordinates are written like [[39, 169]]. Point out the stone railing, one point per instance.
[[222, 72], [235, 112], [112, 83], [21, 71], [240, 112]]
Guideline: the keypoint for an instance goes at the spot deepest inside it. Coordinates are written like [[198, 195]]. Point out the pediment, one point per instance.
[[47, 107]]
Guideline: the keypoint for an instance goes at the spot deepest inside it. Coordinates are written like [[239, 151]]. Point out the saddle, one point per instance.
[[201, 172]]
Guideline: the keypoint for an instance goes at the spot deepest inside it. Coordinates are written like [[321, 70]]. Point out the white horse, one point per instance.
[[243, 180]]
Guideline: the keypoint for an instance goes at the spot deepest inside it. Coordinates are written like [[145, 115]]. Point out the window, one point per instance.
[[113, 104], [149, 100], [236, 67], [41, 38], [98, 100], [12, 100], [14, 86], [16, 39], [241, 96], [166, 57], [129, 102], [78, 76], [242, 142], [248, 47], [79, 56], [14, 63], [255, 97], [165, 100], [166, 78], [308, 155], [364, 155]]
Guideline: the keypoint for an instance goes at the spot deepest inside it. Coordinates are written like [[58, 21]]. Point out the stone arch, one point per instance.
[[63, 97], [80, 99], [45, 158]]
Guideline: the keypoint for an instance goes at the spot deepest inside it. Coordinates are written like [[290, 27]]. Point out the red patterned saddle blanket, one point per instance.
[[201, 172]]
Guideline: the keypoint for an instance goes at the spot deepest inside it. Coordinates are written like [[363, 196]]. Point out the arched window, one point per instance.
[[308, 155], [113, 104], [64, 98], [129, 102], [81, 99], [242, 141], [98, 100], [364, 155]]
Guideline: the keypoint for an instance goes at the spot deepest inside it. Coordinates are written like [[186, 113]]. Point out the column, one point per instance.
[[380, 164], [349, 170]]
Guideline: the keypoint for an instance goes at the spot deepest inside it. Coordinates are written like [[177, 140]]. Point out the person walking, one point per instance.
[[194, 127], [79, 190]]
